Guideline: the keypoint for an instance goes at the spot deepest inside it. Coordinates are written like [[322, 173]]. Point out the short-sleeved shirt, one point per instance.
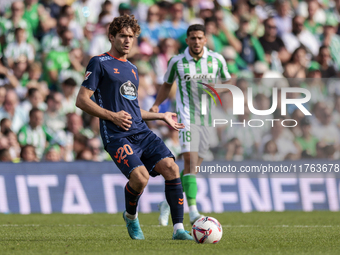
[[189, 75], [31, 15], [7, 29], [269, 47], [309, 146], [115, 84], [15, 50], [56, 60], [37, 137]]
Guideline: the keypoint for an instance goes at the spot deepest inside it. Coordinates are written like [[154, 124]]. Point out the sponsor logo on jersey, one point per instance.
[[88, 73], [188, 77], [128, 90]]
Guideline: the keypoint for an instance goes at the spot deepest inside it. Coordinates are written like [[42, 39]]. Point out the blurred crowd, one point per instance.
[[46, 45]]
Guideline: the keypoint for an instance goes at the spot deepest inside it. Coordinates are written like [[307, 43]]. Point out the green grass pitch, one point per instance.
[[243, 233]]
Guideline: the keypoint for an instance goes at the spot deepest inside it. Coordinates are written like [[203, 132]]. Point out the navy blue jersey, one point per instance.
[[115, 85]]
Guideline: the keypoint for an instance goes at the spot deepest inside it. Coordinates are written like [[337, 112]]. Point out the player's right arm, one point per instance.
[[84, 101], [169, 79]]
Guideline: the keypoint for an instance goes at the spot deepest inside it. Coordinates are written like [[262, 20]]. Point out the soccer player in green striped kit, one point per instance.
[[190, 69]]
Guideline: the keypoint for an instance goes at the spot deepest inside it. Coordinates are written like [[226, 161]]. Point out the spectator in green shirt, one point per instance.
[[62, 59], [18, 48], [8, 26], [214, 43], [35, 133], [54, 63], [54, 41], [38, 17], [313, 27], [331, 39], [226, 36], [20, 68]]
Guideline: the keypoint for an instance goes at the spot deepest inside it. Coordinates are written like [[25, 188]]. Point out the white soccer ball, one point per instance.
[[207, 230]]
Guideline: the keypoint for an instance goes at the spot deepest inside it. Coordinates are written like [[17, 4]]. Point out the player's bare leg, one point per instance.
[[174, 196], [134, 188]]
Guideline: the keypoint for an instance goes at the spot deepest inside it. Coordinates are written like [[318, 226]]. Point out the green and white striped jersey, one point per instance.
[[210, 68], [15, 50], [7, 29], [37, 137]]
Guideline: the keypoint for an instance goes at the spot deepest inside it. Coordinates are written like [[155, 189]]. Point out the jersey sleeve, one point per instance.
[[223, 69], [171, 74], [93, 74]]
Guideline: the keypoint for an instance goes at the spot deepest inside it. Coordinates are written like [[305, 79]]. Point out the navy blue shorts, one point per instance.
[[143, 149]]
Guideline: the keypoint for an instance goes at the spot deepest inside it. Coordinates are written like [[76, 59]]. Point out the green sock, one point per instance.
[[190, 187]]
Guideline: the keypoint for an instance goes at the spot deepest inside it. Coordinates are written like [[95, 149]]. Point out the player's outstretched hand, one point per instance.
[[154, 108], [168, 118], [122, 119]]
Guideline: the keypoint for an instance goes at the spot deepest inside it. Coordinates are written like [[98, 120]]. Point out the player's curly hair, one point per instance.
[[127, 21]]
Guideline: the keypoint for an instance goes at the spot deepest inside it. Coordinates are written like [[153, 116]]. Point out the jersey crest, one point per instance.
[[128, 90]]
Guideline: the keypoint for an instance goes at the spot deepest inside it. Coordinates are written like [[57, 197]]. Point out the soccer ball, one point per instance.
[[207, 230]]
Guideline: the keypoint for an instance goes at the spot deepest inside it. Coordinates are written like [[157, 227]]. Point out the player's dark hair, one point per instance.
[[126, 21], [196, 27]]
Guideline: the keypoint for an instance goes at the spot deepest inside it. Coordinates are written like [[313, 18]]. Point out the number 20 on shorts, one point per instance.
[[120, 152]]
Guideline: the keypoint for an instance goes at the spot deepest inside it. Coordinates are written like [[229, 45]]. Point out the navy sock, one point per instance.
[[174, 196], [131, 199]]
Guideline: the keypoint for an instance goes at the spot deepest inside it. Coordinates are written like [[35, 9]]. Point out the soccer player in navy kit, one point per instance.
[[135, 149]]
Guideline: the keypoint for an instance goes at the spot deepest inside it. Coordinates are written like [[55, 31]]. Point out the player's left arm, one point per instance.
[[167, 117]]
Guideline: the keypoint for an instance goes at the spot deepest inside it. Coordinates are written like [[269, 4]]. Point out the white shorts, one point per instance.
[[194, 138]]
